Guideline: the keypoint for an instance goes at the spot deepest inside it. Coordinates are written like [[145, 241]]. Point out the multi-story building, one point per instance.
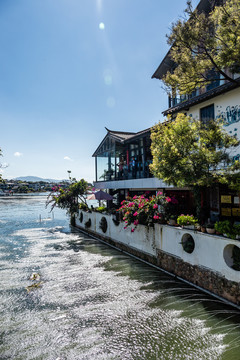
[[219, 99], [122, 158]]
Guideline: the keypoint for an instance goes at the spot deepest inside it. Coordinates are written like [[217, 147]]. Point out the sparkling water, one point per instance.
[[64, 295]]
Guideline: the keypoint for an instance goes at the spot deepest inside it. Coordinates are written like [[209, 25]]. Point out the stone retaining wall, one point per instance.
[[208, 266]]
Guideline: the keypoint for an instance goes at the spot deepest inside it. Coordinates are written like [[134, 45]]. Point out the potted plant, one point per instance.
[[224, 227], [236, 258], [210, 228], [187, 221], [172, 220], [198, 227]]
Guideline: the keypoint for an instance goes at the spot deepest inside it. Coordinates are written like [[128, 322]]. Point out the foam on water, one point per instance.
[[97, 303]]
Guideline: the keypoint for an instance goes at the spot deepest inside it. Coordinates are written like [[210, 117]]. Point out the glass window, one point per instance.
[[207, 114]]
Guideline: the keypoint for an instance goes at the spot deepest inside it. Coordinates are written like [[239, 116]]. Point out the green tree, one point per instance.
[[69, 197], [187, 153], [205, 47]]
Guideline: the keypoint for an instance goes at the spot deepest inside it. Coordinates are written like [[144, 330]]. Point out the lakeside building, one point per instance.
[[122, 167], [122, 158], [218, 100]]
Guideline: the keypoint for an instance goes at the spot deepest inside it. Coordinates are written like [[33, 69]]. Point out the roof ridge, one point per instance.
[[120, 132]]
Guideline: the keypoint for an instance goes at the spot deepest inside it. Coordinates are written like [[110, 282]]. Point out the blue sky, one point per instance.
[[64, 77]]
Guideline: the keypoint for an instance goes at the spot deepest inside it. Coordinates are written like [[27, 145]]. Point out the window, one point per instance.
[[207, 114]]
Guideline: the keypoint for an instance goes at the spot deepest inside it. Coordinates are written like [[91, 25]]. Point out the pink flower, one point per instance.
[[135, 222], [132, 230], [135, 197], [159, 193], [135, 214], [168, 199], [155, 206], [125, 227], [156, 217]]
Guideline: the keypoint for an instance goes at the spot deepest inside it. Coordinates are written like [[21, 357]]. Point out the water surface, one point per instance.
[[94, 302]]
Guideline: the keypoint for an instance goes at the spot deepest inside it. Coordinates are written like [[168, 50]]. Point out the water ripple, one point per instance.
[[96, 303]]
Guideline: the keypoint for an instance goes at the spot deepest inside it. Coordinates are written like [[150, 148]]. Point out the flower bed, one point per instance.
[[143, 210]]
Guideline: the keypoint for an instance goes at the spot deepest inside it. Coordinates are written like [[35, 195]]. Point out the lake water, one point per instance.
[[93, 302]]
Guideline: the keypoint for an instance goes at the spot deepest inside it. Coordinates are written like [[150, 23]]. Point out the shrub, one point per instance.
[[83, 206], [103, 224], [227, 228], [88, 223], [143, 210], [186, 220], [236, 258], [81, 217], [101, 209]]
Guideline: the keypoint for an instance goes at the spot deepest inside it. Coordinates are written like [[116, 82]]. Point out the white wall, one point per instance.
[[227, 106], [209, 251]]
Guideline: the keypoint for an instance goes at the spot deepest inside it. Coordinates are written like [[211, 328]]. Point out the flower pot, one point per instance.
[[189, 227], [203, 229], [210, 231]]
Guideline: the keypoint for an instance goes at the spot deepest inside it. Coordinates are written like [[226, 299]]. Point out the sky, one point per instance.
[[70, 68]]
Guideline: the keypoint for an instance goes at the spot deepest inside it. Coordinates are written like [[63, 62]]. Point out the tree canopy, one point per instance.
[[205, 47], [187, 153]]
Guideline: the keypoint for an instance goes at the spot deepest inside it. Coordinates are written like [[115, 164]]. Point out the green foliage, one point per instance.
[[186, 220], [68, 198], [81, 217], [188, 245], [83, 206], [203, 46], [227, 228], [186, 153], [88, 223], [103, 224], [101, 209], [236, 258]]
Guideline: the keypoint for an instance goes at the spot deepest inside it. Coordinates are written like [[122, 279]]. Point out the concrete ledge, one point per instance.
[[205, 268]]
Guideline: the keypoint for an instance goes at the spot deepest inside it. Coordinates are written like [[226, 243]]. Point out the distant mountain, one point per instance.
[[37, 179]]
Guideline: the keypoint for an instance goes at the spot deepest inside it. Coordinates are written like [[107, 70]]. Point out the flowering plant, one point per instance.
[[186, 220], [142, 210]]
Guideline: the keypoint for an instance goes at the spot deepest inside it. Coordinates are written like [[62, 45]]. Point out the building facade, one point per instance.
[[218, 100]]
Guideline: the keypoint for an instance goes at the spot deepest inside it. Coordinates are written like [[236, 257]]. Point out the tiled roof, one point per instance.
[[203, 97], [121, 136], [126, 135]]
